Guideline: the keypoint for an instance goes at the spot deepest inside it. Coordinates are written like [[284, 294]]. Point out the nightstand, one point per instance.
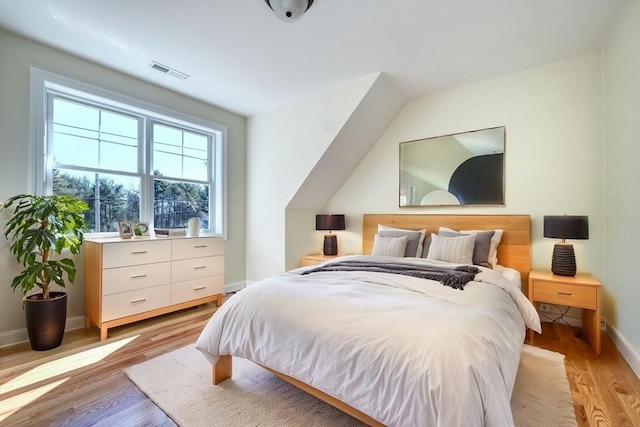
[[581, 291], [316, 259]]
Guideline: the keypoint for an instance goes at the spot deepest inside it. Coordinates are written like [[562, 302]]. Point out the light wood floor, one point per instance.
[[81, 383]]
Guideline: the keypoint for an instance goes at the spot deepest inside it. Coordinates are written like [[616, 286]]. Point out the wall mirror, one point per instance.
[[460, 169]]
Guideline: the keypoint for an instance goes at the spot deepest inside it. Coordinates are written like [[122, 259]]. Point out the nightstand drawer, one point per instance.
[[566, 294]]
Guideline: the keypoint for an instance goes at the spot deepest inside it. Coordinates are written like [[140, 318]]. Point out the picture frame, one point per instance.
[[464, 168], [140, 229], [126, 230]]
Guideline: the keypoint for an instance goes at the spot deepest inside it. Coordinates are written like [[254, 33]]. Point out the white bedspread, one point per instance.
[[405, 351]]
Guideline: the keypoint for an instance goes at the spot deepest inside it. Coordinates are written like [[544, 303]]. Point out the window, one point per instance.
[[130, 161]]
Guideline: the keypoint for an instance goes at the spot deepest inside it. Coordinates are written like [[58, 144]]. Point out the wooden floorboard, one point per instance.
[[82, 382]]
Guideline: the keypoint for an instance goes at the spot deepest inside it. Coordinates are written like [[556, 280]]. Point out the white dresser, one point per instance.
[[130, 280]]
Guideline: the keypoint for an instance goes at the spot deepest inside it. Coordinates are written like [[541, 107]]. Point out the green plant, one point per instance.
[[41, 226]]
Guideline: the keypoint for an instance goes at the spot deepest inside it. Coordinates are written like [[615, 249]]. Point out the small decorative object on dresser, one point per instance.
[[141, 229], [194, 226], [125, 230], [581, 291]]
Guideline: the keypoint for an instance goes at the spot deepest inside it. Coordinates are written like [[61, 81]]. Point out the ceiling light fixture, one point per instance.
[[289, 10]]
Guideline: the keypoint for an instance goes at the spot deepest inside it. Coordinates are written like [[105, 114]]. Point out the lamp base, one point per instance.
[[330, 246], [563, 262]]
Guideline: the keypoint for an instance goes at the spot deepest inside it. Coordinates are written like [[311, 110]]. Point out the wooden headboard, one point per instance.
[[514, 250]]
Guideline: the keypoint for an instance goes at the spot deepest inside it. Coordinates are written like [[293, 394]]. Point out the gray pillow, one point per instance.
[[389, 246], [481, 246], [426, 244], [413, 239]]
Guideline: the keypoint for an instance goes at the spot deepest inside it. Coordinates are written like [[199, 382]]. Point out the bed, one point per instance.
[[391, 349]]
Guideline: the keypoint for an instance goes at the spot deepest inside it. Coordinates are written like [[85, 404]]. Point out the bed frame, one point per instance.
[[514, 252], [515, 246]]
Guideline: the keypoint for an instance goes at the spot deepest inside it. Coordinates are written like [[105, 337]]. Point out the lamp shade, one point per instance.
[[330, 222], [566, 226]]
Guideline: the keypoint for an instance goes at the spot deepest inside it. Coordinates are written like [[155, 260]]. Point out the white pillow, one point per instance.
[[458, 250], [389, 246], [495, 241], [423, 233], [511, 274]]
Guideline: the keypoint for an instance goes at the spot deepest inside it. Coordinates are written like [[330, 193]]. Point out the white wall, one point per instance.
[[622, 109], [553, 154], [16, 156], [283, 147]]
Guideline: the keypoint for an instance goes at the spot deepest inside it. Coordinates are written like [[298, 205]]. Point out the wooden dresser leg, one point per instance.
[[103, 333], [222, 369], [219, 301]]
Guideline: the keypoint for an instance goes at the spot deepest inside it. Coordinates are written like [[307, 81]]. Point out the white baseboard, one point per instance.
[[625, 348], [18, 336], [234, 287]]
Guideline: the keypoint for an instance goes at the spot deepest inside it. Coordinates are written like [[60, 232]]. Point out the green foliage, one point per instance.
[[39, 227]]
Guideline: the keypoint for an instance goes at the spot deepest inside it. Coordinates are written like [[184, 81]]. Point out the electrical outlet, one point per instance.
[[545, 308], [603, 324]]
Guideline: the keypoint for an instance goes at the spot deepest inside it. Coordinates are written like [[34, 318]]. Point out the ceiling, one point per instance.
[[241, 57]]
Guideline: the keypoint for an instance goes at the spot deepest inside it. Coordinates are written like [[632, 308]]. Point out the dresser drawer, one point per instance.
[[133, 302], [135, 253], [188, 269], [197, 247], [565, 294], [198, 288], [123, 279]]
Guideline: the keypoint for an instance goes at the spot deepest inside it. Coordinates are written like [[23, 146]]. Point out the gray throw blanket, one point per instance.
[[456, 278]]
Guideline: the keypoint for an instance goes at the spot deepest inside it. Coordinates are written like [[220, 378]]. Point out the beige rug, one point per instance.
[[180, 384]]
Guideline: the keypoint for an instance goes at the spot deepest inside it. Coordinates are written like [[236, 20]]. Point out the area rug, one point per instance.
[[179, 382]]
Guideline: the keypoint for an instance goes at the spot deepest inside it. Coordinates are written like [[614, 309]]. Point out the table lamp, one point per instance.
[[563, 262], [330, 223]]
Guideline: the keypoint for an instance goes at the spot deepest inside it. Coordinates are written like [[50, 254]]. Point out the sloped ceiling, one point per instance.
[[371, 117], [240, 57]]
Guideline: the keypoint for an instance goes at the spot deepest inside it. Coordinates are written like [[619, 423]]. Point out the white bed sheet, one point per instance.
[[403, 350]]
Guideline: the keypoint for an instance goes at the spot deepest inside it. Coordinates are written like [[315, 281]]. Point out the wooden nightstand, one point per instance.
[[582, 291], [316, 259]]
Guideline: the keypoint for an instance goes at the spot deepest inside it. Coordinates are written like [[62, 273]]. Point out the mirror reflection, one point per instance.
[[460, 169]]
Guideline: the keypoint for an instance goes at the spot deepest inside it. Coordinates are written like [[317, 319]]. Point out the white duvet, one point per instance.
[[403, 350]]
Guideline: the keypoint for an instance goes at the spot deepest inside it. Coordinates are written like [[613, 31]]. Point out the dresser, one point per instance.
[[130, 280]]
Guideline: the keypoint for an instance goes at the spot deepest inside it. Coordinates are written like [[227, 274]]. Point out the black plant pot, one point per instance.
[[46, 320]]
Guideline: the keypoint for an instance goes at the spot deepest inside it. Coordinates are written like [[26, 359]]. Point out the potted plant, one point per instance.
[[42, 226]]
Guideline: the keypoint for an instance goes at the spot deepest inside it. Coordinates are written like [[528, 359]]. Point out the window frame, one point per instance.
[[43, 83]]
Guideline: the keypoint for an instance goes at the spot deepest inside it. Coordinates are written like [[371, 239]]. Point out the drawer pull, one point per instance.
[[200, 288], [138, 276], [564, 293], [138, 252], [138, 301], [200, 246], [200, 267]]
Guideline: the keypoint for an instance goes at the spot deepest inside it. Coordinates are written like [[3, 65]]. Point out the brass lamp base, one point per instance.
[[563, 262]]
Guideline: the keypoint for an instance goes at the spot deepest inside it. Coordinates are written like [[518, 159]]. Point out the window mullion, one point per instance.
[[146, 196], [85, 167]]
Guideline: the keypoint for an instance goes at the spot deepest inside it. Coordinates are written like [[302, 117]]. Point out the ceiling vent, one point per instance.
[[168, 71]]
